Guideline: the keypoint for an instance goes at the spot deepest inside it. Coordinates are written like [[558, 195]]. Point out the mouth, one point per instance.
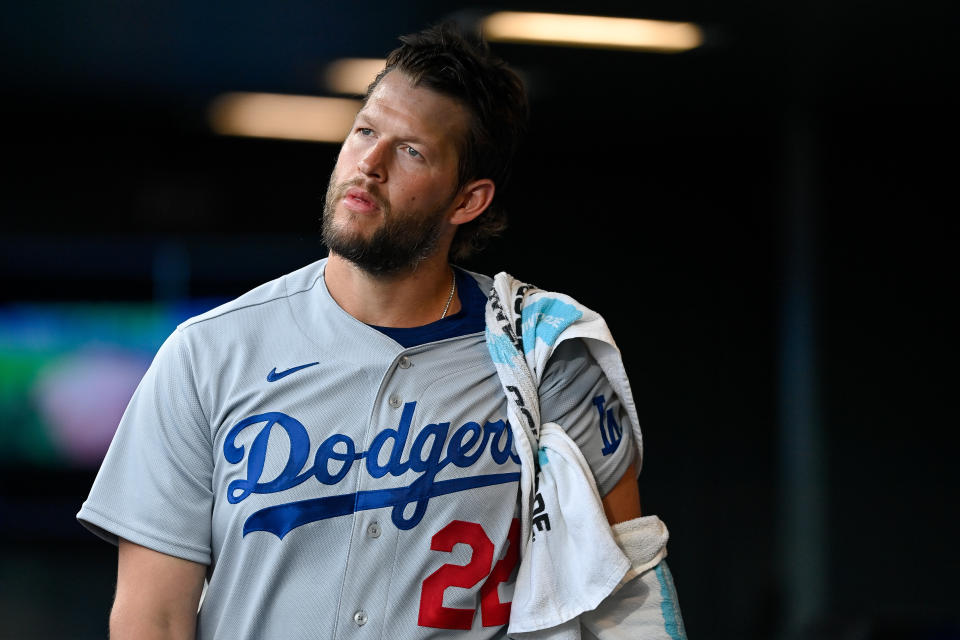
[[360, 201]]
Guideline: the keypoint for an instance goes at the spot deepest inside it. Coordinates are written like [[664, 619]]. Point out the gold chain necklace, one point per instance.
[[453, 287]]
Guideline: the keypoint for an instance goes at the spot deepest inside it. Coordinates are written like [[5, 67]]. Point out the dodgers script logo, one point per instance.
[[463, 449]]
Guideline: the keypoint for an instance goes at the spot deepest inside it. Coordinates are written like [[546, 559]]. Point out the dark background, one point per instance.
[[764, 222]]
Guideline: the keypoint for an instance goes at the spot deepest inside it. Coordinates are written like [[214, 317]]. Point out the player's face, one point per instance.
[[395, 182]]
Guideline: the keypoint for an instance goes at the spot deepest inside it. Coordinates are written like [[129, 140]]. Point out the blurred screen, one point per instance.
[[67, 372]]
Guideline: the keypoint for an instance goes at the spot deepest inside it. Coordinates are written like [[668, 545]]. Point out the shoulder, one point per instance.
[[257, 301], [570, 361]]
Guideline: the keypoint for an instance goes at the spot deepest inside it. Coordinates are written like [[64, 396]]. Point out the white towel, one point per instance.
[[573, 561], [576, 563]]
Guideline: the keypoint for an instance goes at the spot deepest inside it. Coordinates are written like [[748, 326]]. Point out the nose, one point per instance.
[[371, 163]]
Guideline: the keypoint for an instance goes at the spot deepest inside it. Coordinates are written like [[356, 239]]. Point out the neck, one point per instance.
[[406, 299]]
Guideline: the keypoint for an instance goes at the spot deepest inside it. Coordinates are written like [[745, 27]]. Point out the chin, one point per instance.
[[344, 232]]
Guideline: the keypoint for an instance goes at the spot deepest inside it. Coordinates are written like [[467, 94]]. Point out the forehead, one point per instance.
[[416, 112]]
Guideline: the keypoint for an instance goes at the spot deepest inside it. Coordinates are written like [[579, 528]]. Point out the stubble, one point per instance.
[[403, 240]]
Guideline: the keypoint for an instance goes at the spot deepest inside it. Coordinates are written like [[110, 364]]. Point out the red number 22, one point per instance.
[[493, 613]]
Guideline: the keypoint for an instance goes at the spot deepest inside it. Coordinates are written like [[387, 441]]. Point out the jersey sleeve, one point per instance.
[[154, 487], [575, 393]]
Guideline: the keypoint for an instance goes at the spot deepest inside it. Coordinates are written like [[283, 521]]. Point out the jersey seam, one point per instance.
[[196, 393]]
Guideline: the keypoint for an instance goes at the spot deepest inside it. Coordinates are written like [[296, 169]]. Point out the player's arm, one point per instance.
[[572, 390], [623, 501], [645, 606], [157, 595]]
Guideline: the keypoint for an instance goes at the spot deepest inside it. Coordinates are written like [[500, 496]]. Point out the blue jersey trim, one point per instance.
[[284, 518], [470, 318]]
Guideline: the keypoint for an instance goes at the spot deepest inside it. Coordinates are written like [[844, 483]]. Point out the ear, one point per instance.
[[472, 200]]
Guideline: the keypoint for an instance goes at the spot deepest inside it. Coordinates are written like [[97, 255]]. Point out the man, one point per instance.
[[328, 455]]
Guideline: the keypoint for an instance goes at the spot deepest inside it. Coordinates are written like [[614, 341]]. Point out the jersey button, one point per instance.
[[395, 402], [405, 363], [374, 530], [360, 617]]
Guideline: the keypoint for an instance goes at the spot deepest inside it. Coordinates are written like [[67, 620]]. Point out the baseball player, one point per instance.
[[329, 456]]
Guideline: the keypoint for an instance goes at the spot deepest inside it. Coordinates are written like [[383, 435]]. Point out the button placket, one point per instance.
[[398, 391]]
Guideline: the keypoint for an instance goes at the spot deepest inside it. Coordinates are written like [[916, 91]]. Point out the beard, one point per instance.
[[402, 242]]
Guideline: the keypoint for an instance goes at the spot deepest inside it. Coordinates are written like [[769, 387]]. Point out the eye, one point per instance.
[[413, 153], [365, 131]]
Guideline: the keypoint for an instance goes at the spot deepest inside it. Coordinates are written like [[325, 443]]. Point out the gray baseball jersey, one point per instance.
[[336, 483]]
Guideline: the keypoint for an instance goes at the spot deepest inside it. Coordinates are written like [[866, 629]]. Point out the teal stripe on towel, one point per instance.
[[669, 607]]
